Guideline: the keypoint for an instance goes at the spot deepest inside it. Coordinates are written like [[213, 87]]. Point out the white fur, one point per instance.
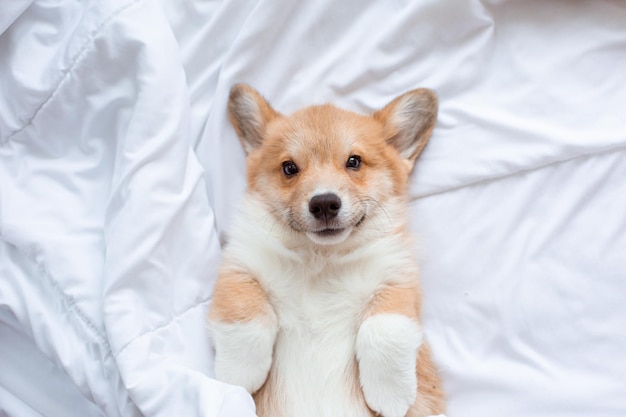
[[319, 294], [386, 348], [243, 352]]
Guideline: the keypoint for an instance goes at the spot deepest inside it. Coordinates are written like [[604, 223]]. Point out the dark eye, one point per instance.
[[289, 168], [354, 162]]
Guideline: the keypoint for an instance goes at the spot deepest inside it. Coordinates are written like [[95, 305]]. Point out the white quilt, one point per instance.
[[119, 173]]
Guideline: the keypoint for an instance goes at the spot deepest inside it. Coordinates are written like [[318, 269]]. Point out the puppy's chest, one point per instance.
[[322, 299], [319, 311]]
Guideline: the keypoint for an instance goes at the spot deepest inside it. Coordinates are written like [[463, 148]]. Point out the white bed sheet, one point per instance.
[[119, 171]]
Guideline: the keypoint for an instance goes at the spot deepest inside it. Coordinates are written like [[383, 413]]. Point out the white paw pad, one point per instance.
[[386, 349]]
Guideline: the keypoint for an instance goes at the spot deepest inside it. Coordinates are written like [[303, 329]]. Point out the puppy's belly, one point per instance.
[[314, 374]]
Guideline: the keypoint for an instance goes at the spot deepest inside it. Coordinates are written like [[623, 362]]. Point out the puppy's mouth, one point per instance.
[[329, 232], [333, 235], [333, 231]]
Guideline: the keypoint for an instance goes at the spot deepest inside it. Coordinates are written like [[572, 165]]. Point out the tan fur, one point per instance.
[[305, 137], [405, 299], [237, 297], [319, 139], [430, 395]]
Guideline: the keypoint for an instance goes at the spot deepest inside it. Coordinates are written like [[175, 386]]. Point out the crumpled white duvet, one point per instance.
[[119, 172], [108, 241]]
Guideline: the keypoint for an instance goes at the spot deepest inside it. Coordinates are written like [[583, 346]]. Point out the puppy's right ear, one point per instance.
[[249, 113]]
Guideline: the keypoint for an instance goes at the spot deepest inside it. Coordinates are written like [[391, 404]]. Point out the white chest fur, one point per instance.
[[320, 299], [319, 309], [320, 302]]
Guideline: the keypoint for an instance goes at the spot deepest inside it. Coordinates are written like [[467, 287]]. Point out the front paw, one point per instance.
[[243, 352], [386, 349]]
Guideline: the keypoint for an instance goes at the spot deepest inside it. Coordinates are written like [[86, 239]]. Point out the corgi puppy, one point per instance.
[[316, 309]]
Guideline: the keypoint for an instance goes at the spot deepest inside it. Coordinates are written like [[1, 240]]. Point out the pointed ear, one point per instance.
[[249, 114], [409, 120]]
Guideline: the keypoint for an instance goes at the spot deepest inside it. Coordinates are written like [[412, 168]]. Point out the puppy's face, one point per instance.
[[326, 173]]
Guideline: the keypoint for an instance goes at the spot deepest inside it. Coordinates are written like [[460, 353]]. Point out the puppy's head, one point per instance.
[[327, 173]]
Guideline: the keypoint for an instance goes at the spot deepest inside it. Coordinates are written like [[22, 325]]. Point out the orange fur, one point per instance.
[[319, 138], [237, 297], [397, 299], [430, 395]]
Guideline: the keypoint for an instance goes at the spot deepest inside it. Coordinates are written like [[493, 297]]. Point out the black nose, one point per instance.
[[325, 206]]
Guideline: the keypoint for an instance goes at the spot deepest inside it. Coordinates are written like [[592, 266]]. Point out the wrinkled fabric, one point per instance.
[[119, 174], [108, 243]]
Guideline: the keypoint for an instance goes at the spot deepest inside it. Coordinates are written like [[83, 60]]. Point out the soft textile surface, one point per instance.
[[119, 173]]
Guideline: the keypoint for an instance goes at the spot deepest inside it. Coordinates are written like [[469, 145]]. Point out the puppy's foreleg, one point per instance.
[[243, 326], [387, 344]]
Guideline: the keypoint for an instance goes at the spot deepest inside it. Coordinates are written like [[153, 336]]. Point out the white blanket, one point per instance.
[[119, 173]]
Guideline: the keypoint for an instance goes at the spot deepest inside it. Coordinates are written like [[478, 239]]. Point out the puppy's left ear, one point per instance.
[[409, 121]]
